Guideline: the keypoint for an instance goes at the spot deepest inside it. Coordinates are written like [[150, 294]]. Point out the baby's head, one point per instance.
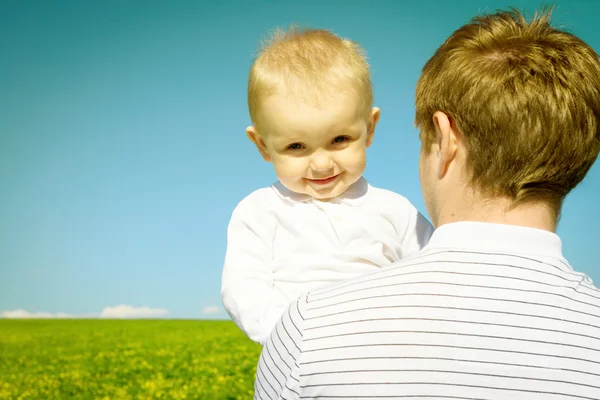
[[310, 101]]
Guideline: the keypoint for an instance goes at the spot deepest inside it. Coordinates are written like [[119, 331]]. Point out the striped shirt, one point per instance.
[[484, 312]]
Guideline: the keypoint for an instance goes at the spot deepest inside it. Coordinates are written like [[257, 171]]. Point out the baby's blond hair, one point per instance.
[[309, 65]]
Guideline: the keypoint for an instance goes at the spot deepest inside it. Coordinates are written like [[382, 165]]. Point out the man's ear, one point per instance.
[[446, 141], [373, 119], [258, 142]]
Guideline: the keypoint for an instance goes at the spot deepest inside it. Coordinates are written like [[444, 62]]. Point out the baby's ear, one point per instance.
[[373, 119], [258, 142]]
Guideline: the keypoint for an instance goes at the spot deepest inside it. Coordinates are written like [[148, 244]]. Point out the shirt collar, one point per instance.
[[353, 196], [496, 238]]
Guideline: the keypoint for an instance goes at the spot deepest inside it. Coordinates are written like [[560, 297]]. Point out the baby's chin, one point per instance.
[[322, 194], [328, 194]]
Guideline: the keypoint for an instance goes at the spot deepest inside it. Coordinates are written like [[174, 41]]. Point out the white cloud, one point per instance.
[[127, 311], [120, 311], [23, 314], [211, 310]]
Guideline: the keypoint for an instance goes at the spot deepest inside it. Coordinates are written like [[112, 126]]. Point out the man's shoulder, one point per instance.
[[354, 286]]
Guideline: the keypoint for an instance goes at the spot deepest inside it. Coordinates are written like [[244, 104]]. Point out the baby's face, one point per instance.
[[319, 151]]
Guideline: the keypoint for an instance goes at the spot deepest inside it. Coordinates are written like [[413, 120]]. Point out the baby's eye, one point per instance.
[[340, 139], [295, 146]]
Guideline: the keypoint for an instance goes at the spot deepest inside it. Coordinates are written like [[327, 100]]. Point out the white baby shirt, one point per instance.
[[281, 244]]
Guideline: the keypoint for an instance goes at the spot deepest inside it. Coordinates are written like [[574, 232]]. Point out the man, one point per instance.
[[509, 114]]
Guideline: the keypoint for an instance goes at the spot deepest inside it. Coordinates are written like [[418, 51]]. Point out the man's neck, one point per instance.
[[533, 215]]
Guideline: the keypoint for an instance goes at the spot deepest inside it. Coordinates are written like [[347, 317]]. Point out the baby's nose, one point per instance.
[[321, 162]]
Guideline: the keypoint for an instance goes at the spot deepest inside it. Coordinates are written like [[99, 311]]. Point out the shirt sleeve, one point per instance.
[[247, 280], [418, 232], [278, 371]]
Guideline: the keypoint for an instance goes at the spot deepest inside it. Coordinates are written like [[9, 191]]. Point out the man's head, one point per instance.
[[310, 101], [508, 109]]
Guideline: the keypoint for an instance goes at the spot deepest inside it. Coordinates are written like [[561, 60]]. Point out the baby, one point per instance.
[[310, 102]]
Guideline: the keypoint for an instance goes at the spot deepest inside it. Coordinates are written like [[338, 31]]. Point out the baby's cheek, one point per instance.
[[355, 158], [289, 168]]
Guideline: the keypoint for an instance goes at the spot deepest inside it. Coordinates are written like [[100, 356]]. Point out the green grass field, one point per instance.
[[106, 359]]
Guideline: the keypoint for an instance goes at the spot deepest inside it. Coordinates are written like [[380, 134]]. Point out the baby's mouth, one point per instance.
[[324, 181]]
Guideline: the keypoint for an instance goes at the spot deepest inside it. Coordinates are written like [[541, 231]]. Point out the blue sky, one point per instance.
[[122, 145]]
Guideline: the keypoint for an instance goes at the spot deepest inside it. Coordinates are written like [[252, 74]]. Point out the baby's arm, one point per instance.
[[413, 229], [247, 280], [418, 231]]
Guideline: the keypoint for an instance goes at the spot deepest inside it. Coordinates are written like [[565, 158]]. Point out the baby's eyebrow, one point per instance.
[[293, 140], [350, 130]]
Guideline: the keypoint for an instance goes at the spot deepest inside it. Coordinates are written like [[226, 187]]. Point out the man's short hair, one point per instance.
[[308, 64], [526, 98]]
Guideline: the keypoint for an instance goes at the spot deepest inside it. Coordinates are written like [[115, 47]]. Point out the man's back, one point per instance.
[[487, 311]]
